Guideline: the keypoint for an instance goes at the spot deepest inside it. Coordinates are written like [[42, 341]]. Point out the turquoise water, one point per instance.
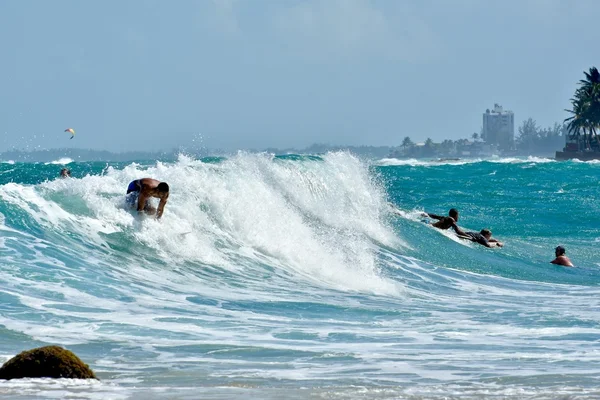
[[292, 277]]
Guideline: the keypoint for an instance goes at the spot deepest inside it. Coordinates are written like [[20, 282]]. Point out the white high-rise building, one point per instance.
[[499, 128]]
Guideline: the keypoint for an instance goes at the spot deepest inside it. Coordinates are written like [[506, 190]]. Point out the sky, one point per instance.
[[236, 74]]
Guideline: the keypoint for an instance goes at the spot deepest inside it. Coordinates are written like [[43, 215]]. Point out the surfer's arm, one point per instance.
[[142, 201], [459, 231], [485, 243], [161, 207], [438, 217], [496, 242]]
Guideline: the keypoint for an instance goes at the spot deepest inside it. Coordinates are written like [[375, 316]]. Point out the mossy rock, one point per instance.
[[46, 362]]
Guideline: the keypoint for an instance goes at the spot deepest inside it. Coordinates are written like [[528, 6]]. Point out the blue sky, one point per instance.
[[235, 74]]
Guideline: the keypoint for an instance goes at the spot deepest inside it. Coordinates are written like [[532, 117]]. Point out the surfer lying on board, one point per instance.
[[445, 222], [483, 237], [140, 191]]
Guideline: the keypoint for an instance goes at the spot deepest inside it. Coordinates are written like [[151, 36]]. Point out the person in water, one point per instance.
[[445, 222], [561, 258], [65, 173], [483, 237], [140, 191]]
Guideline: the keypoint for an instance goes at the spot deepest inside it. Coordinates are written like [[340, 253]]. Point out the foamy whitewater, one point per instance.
[[304, 277]]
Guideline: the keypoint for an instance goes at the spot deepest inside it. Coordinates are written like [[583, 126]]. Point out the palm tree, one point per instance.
[[576, 124], [590, 88], [591, 78], [586, 108], [407, 142]]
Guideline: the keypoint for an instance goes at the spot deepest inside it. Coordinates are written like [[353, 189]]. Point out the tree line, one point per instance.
[[531, 139]]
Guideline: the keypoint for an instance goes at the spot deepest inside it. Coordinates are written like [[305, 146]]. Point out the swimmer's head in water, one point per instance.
[[560, 251], [486, 233]]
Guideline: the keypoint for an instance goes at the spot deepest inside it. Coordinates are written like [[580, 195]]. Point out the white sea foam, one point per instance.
[[462, 161], [60, 161], [316, 218], [521, 160], [425, 163]]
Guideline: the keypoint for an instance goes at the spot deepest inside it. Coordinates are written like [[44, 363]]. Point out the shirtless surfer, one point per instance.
[[141, 190], [445, 222], [561, 258]]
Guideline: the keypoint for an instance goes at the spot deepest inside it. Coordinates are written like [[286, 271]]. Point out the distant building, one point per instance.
[[499, 128]]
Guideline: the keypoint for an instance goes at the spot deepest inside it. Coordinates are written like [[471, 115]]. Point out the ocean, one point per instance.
[[305, 277]]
